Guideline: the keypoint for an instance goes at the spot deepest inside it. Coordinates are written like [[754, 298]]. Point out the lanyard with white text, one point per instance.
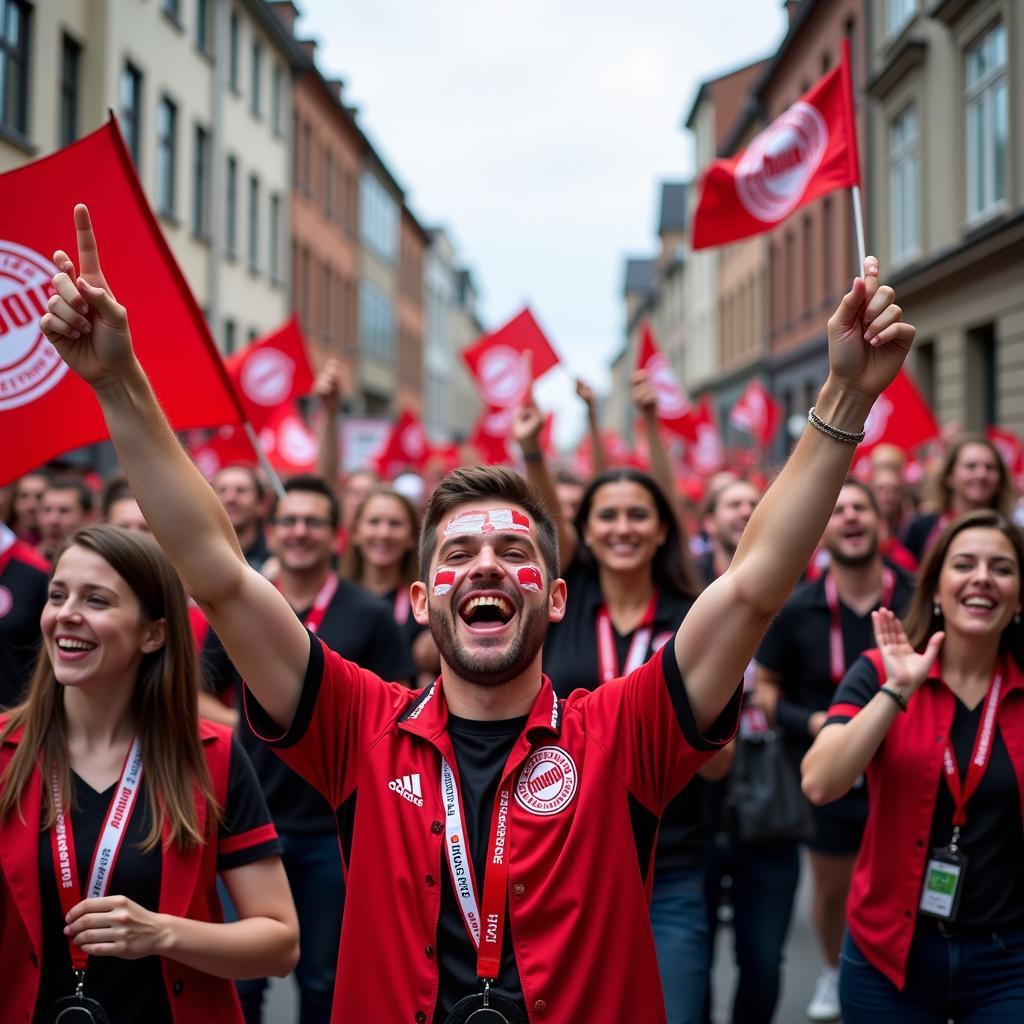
[[314, 619], [980, 756], [485, 924], [836, 654], [104, 857], [607, 657], [401, 605]]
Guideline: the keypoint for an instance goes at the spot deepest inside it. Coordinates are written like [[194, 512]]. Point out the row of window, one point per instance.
[[378, 217], [322, 175], [325, 300], [376, 322]]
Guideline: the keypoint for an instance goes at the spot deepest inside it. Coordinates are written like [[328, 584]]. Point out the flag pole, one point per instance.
[[275, 480], [858, 220]]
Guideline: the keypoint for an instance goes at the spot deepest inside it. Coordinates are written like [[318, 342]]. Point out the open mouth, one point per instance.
[[487, 611]]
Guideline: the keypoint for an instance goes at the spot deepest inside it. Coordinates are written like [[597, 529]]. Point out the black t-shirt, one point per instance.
[[361, 628], [23, 589], [481, 751], [918, 532], [257, 553], [132, 991], [408, 627]]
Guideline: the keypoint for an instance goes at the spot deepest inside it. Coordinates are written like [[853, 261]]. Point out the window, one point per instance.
[[230, 337], [172, 8], [14, 65], [256, 70], [254, 222], [987, 122], [305, 306], [131, 109], [231, 207], [904, 158], [925, 371], [204, 26], [376, 322], [981, 383], [328, 184], [809, 267], [378, 218], [274, 233], [234, 55], [326, 297], [70, 78], [166, 156], [827, 241], [307, 158], [897, 14], [789, 269], [276, 86], [201, 183]]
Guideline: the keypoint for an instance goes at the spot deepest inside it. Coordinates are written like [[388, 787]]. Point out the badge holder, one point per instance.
[[944, 881], [78, 1008], [485, 1008]]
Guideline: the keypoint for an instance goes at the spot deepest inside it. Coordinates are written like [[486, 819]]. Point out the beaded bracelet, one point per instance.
[[895, 695], [834, 432]]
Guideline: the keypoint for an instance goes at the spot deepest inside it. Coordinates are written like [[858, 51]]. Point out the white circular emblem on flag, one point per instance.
[[206, 461], [775, 168], [502, 375], [547, 782], [267, 377], [6, 601], [671, 403], [878, 419], [29, 365], [295, 443], [413, 442]]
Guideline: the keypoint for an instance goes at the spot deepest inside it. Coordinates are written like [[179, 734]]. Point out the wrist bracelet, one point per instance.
[[834, 432], [533, 456], [895, 695]]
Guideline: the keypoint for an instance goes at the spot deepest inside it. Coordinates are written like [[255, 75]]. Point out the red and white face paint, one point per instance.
[[444, 580], [529, 578], [484, 521]]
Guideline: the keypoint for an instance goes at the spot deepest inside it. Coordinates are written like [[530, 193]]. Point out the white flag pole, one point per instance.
[[858, 220], [275, 480]]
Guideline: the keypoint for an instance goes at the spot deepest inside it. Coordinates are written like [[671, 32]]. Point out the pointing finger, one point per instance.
[[88, 252]]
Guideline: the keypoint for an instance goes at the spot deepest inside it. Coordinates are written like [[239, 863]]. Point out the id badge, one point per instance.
[[943, 883]]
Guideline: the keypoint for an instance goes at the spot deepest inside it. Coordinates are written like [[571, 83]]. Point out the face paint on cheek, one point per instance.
[[529, 578], [481, 521], [444, 580]]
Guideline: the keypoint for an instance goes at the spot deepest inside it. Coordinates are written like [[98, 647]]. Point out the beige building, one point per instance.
[[203, 97], [947, 166]]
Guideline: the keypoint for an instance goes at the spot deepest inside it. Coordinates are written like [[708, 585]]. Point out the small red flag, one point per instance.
[[757, 413], [496, 361], [406, 448], [706, 455], [288, 443], [272, 372], [807, 151], [900, 416], [46, 409], [674, 409], [227, 446]]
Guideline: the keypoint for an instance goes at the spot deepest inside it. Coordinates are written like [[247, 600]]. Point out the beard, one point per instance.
[[841, 557], [484, 668]]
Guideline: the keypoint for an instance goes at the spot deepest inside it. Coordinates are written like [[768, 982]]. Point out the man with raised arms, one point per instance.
[[445, 922]]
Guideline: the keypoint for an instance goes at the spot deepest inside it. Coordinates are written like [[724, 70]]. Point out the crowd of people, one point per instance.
[[514, 748]]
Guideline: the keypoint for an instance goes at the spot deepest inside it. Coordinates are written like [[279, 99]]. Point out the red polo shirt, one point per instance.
[[576, 897], [903, 783]]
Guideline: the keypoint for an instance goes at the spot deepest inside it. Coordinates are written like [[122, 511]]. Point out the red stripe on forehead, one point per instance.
[[483, 521]]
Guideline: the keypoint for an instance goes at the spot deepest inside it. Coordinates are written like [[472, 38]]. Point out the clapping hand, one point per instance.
[[905, 668]]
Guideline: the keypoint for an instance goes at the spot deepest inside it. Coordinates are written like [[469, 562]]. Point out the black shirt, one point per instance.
[[257, 553], [132, 991], [481, 751], [918, 533], [361, 628], [23, 588], [408, 627]]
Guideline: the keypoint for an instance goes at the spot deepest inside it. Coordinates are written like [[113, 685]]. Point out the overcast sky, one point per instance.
[[536, 132]]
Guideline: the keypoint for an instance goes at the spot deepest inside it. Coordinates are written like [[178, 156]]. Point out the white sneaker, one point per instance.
[[825, 1004]]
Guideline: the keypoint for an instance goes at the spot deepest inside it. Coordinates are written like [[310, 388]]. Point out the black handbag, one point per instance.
[[765, 799]]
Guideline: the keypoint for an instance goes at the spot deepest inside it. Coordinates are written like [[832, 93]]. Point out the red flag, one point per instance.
[[757, 413], [45, 408], [271, 373], [226, 447], [706, 455], [807, 151], [445, 457], [900, 416], [497, 362], [288, 443], [406, 447], [490, 436], [674, 409], [1009, 447]]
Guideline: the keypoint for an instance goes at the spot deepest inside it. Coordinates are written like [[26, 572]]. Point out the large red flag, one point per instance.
[[900, 416], [271, 373], [497, 361], [44, 410], [807, 151], [757, 413], [706, 455], [406, 448], [674, 410]]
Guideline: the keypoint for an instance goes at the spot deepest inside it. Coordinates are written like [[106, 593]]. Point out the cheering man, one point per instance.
[[495, 874]]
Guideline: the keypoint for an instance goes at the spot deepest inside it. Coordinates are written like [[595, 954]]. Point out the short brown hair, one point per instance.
[[942, 496], [484, 483]]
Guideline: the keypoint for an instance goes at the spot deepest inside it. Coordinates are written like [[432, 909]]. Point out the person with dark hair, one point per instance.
[[241, 493], [971, 476], [934, 715], [65, 506], [494, 859], [23, 577], [24, 515], [727, 510], [119, 508], [106, 754], [381, 558]]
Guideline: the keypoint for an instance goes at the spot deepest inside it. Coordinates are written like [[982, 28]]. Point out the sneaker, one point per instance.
[[825, 1004]]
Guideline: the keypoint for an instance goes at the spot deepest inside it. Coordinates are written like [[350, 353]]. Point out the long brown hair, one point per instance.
[[921, 621], [353, 564], [942, 494], [164, 702]]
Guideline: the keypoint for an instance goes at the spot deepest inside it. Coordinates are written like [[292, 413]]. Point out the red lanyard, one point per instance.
[[980, 755], [104, 857], [486, 924], [315, 618], [401, 605], [836, 654], [607, 657]]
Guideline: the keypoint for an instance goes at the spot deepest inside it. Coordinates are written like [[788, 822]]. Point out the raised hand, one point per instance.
[[329, 386], [585, 392], [642, 392], [867, 339], [905, 668], [527, 424], [85, 323]]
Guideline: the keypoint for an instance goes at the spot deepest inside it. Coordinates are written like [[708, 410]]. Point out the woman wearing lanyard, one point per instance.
[[936, 909], [381, 557], [972, 477], [119, 806]]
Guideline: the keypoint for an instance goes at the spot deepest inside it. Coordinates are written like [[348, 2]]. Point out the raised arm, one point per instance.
[[598, 456], [328, 389], [89, 329], [868, 343], [641, 390]]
